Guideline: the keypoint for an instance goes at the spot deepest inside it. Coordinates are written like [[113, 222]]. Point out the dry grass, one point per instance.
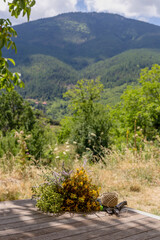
[[134, 176], [17, 184]]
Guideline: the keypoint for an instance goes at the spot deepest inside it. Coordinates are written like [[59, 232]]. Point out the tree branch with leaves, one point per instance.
[[8, 79]]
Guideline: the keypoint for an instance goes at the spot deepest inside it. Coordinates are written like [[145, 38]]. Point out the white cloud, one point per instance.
[[42, 9], [3, 6], [128, 8], [138, 9], [49, 8]]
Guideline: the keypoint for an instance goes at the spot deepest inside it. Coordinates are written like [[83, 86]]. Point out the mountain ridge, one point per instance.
[[71, 37], [84, 41]]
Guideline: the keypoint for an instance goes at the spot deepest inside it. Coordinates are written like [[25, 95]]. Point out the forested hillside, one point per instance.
[[47, 78], [83, 38], [53, 53], [123, 68]]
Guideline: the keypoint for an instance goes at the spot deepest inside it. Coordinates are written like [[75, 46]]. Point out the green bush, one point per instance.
[[90, 123], [41, 141], [15, 113], [92, 133], [140, 106], [48, 199], [65, 131], [8, 144]]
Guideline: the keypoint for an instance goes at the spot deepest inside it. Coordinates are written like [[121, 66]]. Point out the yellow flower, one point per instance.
[[81, 199], [67, 209], [72, 184], [73, 196], [88, 206], [97, 208], [81, 172], [94, 192], [94, 204], [69, 201], [81, 184]]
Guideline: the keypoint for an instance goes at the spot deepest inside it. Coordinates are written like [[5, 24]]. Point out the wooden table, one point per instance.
[[21, 220]]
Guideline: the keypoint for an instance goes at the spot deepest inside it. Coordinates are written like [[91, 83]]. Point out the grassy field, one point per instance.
[[135, 176]]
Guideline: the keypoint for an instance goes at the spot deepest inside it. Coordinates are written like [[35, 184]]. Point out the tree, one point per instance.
[[90, 120], [141, 105], [8, 79], [15, 113]]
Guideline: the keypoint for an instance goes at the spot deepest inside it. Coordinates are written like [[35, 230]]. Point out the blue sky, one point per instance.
[[81, 6], [144, 10], [155, 20]]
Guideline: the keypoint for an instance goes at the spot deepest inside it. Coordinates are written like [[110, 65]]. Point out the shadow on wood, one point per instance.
[[21, 220]]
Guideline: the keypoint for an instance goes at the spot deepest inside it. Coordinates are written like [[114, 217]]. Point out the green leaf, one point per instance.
[[22, 4], [28, 12], [32, 3], [12, 61]]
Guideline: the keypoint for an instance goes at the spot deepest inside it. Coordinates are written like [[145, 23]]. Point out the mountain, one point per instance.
[[46, 77], [122, 68], [54, 53], [80, 39]]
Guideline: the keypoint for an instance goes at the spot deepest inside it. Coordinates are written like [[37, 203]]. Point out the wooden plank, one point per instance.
[[21, 220], [145, 213], [40, 219], [17, 203], [9, 212], [52, 221], [150, 234], [154, 238], [136, 232], [16, 212], [36, 220], [87, 232], [31, 219], [63, 230]]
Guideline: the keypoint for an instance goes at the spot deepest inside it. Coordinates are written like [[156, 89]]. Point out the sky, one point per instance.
[[144, 10]]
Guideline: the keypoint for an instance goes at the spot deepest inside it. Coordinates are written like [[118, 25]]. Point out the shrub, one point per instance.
[[90, 123], [48, 199], [8, 144], [42, 140], [79, 194], [65, 131], [92, 133], [15, 113], [65, 191]]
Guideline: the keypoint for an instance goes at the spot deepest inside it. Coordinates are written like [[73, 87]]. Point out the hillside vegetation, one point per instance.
[[54, 53], [80, 39], [47, 78], [120, 144]]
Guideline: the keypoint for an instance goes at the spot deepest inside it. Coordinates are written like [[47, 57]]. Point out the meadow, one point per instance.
[[119, 145], [135, 176]]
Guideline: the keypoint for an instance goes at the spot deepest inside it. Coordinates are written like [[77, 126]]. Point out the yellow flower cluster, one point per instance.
[[79, 194]]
